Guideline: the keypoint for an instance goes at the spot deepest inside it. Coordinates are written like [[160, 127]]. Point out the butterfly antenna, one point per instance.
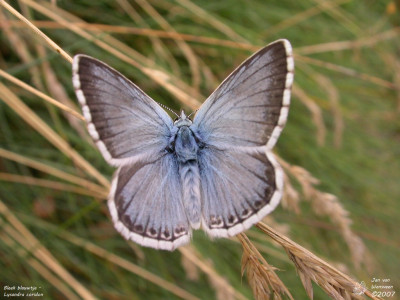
[[167, 108], [192, 113]]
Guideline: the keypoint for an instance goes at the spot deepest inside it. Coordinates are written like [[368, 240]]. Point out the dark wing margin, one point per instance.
[[250, 107], [126, 124], [146, 207]]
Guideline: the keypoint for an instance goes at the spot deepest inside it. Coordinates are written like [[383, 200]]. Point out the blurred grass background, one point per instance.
[[343, 128]]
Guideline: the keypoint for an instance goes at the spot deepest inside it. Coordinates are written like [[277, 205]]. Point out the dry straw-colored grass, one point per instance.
[[14, 232], [326, 204], [224, 291], [262, 277], [311, 268]]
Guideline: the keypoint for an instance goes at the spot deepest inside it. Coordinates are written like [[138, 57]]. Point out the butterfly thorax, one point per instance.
[[186, 147]]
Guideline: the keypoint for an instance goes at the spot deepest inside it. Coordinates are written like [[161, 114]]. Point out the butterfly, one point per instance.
[[216, 171]]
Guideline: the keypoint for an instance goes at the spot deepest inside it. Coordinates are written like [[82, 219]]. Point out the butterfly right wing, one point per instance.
[[241, 181], [126, 124], [146, 204]]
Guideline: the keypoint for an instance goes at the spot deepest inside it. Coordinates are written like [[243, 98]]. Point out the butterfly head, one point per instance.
[[182, 120]]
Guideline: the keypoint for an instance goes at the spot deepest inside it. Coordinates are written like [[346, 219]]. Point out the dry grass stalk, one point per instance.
[[211, 20], [18, 232], [368, 41], [325, 204], [16, 39], [393, 63], [191, 269], [261, 276], [175, 86], [127, 265], [34, 263], [315, 112], [346, 71], [262, 247], [36, 30], [342, 17], [221, 293], [333, 96], [55, 185], [283, 228], [52, 171], [159, 47], [41, 127], [304, 15], [22, 235], [224, 291], [185, 48], [291, 197], [311, 268], [95, 27], [40, 94], [57, 91]]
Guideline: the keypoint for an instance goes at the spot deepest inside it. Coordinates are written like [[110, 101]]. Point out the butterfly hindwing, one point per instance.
[[146, 204], [125, 123], [238, 189]]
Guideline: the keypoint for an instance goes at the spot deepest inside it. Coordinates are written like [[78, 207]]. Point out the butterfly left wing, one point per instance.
[[125, 123], [239, 124], [146, 207], [132, 131]]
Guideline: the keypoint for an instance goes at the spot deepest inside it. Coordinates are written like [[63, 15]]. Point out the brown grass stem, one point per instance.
[[346, 71], [30, 117], [52, 171], [312, 268], [6, 237], [36, 30], [51, 184], [127, 265], [261, 276], [218, 281], [40, 94], [27, 240]]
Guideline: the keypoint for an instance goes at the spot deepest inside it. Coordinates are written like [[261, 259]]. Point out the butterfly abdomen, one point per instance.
[[190, 178], [186, 151]]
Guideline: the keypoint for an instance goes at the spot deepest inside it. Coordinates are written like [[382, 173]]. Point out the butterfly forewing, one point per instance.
[[250, 107], [126, 124]]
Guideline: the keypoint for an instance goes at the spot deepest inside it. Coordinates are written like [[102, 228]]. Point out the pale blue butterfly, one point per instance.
[[217, 171]]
